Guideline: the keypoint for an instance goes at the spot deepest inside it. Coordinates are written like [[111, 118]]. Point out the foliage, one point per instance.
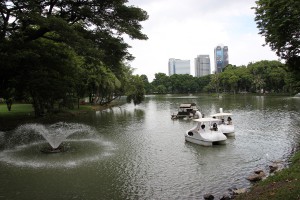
[[47, 76], [56, 50], [279, 22], [135, 90], [262, 76], [148, 87]]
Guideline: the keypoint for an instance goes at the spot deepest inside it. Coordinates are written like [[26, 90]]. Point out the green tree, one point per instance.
[[148, 86], [276, 76], [215, 82], [245, 79], [161, 89], [202, 82], [63, 33], [46, 75], [279, 22], [188, 83], [183, 83], [233, 82], [235, 79], [259, 73], [135, 89], [291, 84], [161, 79], [268, 75]]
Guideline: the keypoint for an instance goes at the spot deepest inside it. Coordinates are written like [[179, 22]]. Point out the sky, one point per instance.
[[186, 29]]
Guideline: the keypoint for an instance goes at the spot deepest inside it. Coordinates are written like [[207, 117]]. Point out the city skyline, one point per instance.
[[202, 63], [188, 28]]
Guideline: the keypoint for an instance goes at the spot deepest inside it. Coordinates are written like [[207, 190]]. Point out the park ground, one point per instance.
[[24, 113], [284, 184]]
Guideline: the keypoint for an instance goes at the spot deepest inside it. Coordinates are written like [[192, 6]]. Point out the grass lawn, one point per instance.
[[16, 110], [27, 110], [24, 113]]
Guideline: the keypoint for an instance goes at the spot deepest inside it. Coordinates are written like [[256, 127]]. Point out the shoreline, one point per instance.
[[282, 184], [24, 113]]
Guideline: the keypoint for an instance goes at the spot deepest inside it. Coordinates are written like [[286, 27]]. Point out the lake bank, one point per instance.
[[284, 184], [24, 113]]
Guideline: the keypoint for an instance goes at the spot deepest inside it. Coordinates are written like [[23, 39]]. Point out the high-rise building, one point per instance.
[[221, 58], [202, 65], [178, 66]]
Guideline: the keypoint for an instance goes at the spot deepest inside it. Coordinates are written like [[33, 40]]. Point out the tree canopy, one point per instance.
[[279, 22], [261, 76], [50, 50]]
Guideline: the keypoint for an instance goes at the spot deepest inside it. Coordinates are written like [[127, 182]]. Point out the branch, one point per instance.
[[52, 4]]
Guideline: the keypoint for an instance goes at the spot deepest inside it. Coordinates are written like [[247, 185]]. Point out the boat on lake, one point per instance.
[[227, 127], [187, 110], [206, 132]]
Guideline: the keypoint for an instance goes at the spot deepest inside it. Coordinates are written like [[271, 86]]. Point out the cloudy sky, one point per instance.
[[185, 29]]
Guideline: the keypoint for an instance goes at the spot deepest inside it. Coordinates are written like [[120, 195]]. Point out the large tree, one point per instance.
[[87, 35], [279, 22]]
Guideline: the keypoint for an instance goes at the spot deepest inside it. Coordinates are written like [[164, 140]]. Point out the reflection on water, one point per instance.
[[144, 154]]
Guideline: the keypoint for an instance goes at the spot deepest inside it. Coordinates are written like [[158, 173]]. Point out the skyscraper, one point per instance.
[[177, 66], [202, 65], [221, 58]]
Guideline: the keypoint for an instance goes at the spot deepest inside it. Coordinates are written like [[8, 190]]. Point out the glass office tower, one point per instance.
[[202, 65], [221, 58], [178, 66]]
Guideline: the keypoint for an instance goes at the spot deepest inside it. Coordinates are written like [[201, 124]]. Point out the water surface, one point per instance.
[[139, 152]]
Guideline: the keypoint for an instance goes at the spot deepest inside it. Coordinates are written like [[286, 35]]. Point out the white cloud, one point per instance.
[[185, 29]]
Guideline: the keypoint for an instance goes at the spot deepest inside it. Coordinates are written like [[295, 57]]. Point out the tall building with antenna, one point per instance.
[[221, 58]]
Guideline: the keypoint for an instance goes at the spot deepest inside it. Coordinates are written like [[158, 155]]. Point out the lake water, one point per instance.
[[139, 152]]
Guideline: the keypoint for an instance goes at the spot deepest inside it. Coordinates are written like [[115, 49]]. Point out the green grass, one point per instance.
[[24, 113], [20, 113], [27, 109], [16, 110], [284, 184]]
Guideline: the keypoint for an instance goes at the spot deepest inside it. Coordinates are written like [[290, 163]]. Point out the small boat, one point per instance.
[[227, 127], [187, 110], [206, 132]]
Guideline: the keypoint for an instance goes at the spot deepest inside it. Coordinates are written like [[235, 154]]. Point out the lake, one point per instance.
[[139, 152]]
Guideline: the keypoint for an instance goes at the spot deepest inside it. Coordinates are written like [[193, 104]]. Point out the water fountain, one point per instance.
[[80, 143], [54, 134]]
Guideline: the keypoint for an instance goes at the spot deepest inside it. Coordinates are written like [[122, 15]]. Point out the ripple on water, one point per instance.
[[77, 152]]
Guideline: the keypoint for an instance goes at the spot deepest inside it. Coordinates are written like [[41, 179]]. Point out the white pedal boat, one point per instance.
[[206, 132], [227, 126]]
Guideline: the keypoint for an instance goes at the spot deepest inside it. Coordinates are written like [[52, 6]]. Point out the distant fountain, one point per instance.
[[2, 139], [54, 134], [82, 143]]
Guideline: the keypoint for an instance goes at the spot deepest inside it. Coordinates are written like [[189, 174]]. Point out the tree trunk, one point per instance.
[[9, 104]]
